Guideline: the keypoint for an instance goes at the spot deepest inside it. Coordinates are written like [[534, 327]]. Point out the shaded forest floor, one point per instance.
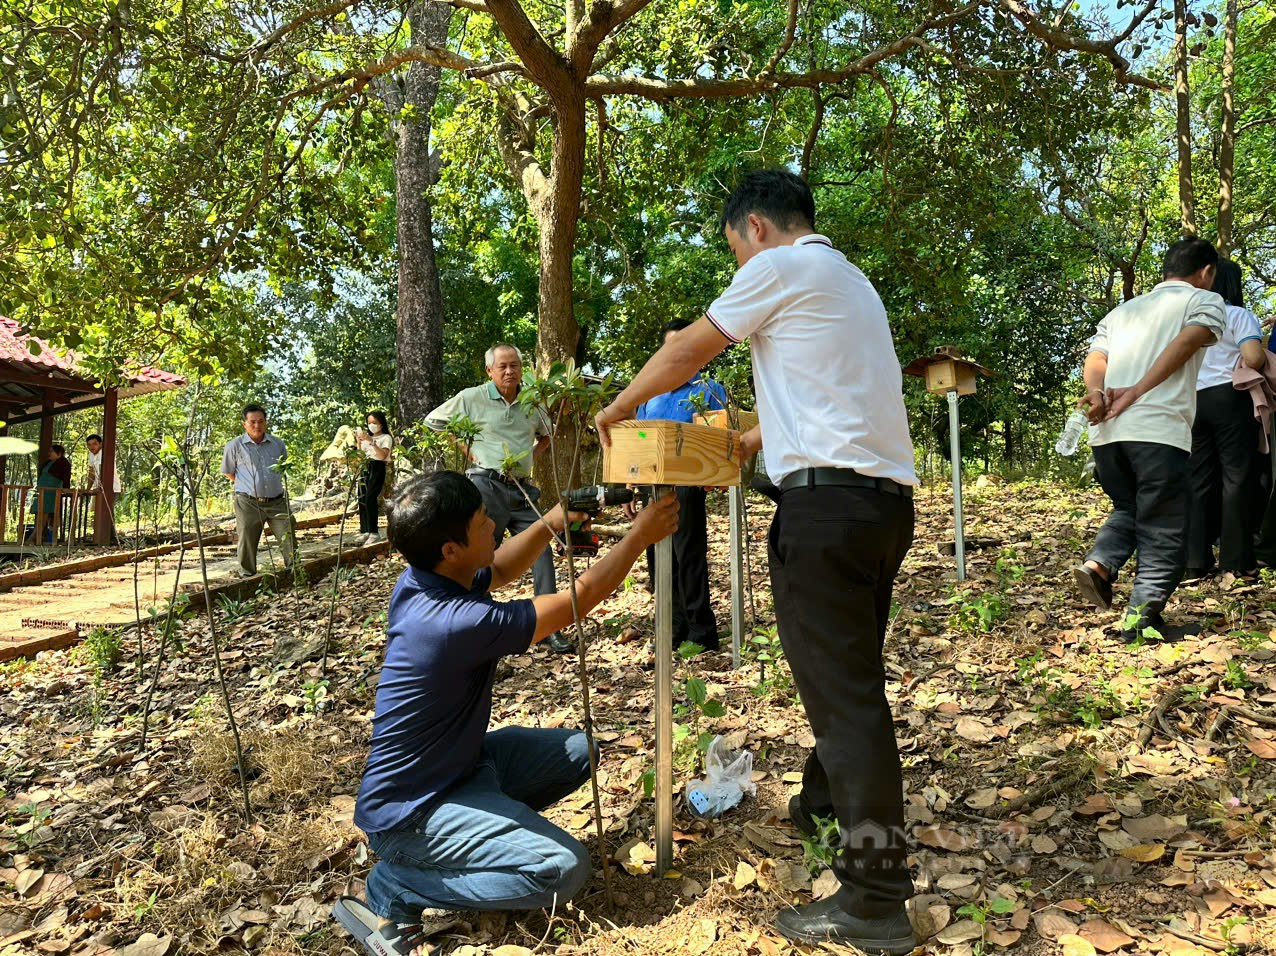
[[1065, 793]]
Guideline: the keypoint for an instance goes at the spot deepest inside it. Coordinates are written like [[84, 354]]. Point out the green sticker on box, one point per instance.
[[642, 434]]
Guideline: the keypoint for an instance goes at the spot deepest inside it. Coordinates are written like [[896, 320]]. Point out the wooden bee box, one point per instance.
[[720, 418], [660, 452], [947, 374]]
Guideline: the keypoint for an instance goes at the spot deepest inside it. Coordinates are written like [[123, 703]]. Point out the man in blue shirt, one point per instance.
[[249, 461], [693, 618], [451, 809]]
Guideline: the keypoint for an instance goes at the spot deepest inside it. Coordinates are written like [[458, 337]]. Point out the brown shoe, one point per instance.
[[1093, 587]]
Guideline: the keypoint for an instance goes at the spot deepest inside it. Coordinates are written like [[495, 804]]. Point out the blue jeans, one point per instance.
[[482, 845]]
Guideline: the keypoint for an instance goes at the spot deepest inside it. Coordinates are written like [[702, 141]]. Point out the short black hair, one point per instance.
[[675, 325], [1228, 284], [60, 449], [777, 194], [381, 420], [428, 511], [93, 436], [1186, 257], [250, 408]]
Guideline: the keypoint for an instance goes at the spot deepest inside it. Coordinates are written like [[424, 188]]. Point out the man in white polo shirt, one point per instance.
[[832, 419], [1140, 379]]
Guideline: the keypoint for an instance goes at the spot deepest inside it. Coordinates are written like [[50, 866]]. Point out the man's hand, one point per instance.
[[656, 521], [609, 416], [750, 442], [1118, 400], [554, 518], [630, 510], [1095, 405]]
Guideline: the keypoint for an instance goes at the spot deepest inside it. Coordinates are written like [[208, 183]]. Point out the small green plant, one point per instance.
[[233, 610], [1227, 928], [1009, 570], [36, 815], [821, 849], [1250, 640], [316, 694], [1236, 677], [979, 912], [103, 646], [978, 616], [143, 909]]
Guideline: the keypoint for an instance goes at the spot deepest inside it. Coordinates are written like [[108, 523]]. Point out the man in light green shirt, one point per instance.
[[510, 430]]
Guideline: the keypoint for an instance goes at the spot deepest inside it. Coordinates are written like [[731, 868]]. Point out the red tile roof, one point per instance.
[[15, 347]]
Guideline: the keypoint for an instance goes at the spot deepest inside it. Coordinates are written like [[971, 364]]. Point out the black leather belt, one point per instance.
[[495, 475], [260, 501], [842, 478]]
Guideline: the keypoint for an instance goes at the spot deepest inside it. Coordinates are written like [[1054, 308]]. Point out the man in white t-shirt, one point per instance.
[[1140, 379], [832, 419], [1224, 442], [94, 445]]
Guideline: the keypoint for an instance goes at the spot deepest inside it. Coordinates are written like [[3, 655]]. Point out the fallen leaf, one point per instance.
[[1052, 925], [1074, 945], [1096, 804], [703, 936], [793, 776], [1000, 937], [744, 875], [982, 799], [960, 932], [1043, 844], [974, 730], [1103, 935], [1262, 748], [1144, 852], [27, 879], [943, 838], [511, 950], [825, 885], [1154, 827], [148, 944]]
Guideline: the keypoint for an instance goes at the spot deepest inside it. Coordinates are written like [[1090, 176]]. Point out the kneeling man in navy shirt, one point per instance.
[[450, 808]]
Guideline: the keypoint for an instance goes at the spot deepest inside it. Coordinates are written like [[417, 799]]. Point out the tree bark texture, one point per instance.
[[419, 312], [1182, 102], [1227, 139]]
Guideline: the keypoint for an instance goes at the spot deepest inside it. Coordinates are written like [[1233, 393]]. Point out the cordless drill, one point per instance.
[[591, 499]]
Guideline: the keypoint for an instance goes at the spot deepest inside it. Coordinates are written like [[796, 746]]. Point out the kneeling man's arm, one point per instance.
[[554, 611]]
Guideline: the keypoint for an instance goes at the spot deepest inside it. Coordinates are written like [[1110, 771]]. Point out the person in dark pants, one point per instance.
[[1140, 379], [832, 419], [1224, 442], [377, 445], [512, 434], [693, 618], [451, 808]]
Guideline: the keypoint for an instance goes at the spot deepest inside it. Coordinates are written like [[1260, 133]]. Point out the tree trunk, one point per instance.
[[419, 312], [1227, 144], [559, 333], [1182, 102]]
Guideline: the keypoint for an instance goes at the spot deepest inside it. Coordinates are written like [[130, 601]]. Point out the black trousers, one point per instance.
[[1224, 441], [693, 618], [370, 484], [1147, 482], [834, 553]]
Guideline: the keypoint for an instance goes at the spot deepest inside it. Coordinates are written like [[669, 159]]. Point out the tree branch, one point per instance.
[[604, 17], [654, 88], [790, 31], [1062, 40], [543, 63]]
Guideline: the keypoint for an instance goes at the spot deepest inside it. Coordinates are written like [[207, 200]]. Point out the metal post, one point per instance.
[[954, 432], [664, 700], [737, 546]]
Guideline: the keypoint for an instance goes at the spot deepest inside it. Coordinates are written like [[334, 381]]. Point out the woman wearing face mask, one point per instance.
[[376, 444]]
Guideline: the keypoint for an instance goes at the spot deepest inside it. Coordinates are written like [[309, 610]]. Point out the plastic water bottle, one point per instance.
[[1070, 437]]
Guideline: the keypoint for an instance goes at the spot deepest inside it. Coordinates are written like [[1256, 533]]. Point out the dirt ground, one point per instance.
[[1065, 793]]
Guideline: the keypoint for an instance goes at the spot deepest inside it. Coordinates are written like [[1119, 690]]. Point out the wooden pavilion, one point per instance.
[[37, 384]]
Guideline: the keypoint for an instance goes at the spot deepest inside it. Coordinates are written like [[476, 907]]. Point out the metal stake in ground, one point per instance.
[[954, 431], [664, 699], [736, 547]]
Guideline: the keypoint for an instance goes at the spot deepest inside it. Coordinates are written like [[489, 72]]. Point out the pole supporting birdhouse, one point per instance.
[[664, 700], [947, 373]]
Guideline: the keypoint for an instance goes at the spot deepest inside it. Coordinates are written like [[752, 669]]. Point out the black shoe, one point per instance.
[[803, 821], [560, 643], [1195, 574], [825, 921], [1093, 587]]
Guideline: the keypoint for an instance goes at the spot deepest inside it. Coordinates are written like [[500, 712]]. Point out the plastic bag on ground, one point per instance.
[[728, 777]]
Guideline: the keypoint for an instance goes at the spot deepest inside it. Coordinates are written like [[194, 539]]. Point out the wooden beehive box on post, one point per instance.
[[660, 452], [947, 371], [721, 418]]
